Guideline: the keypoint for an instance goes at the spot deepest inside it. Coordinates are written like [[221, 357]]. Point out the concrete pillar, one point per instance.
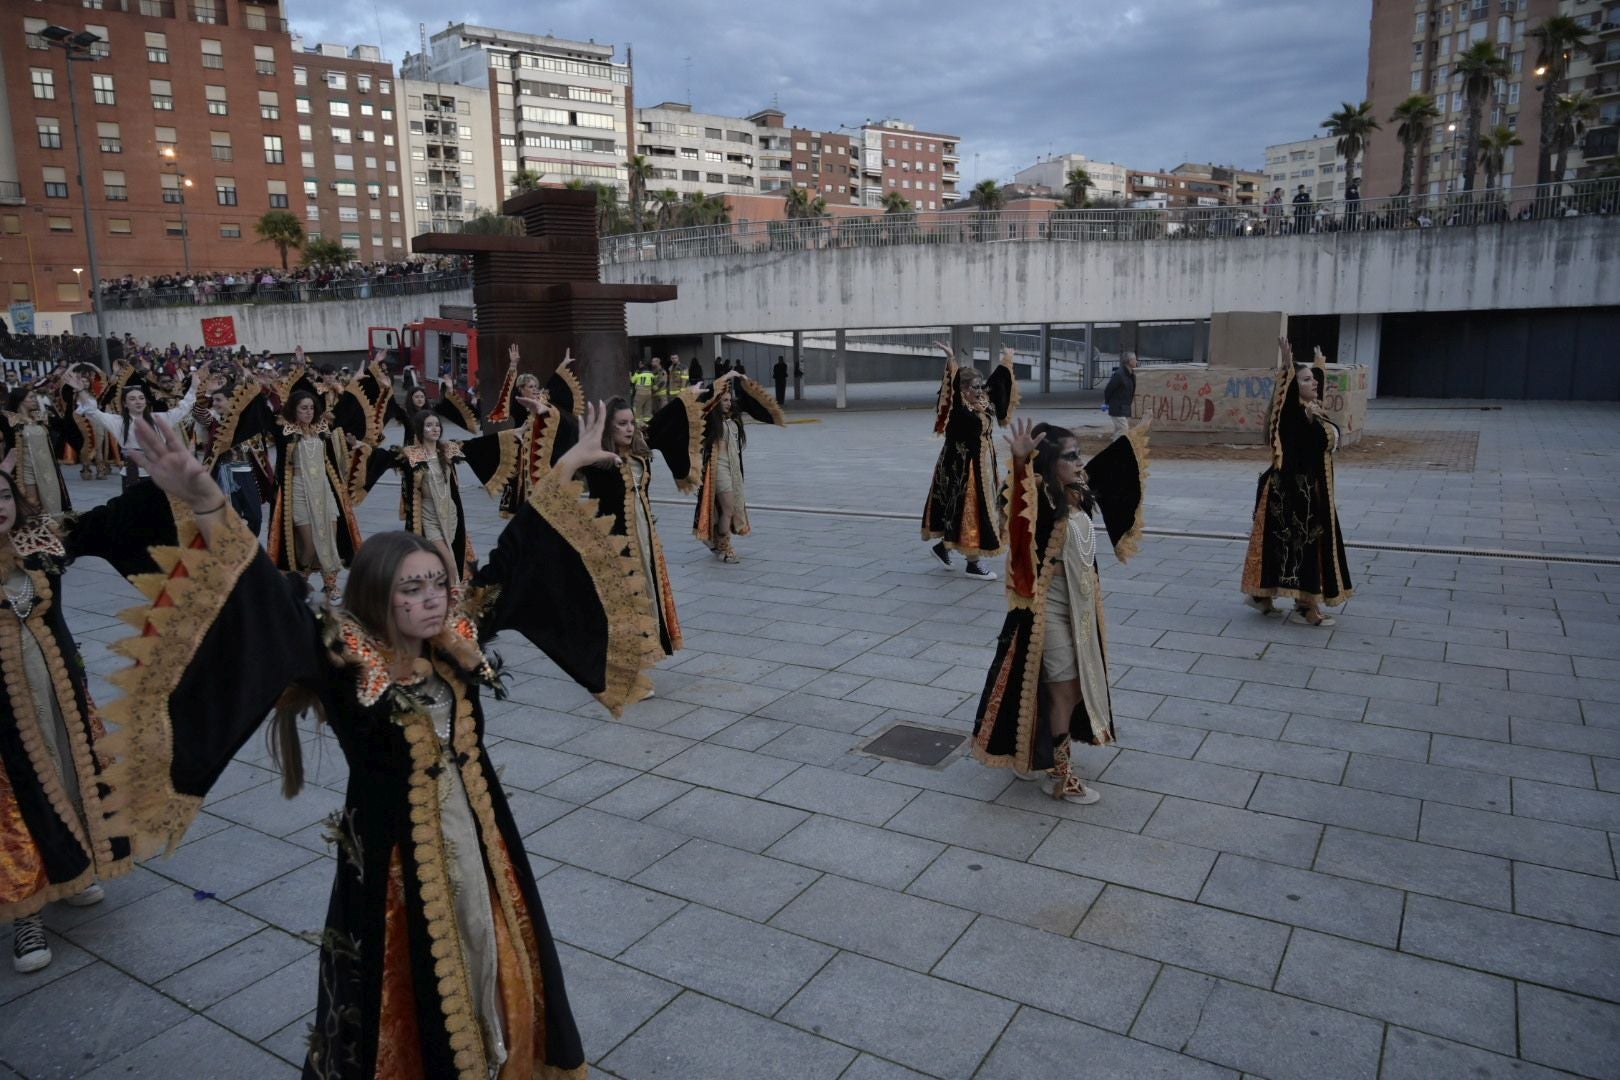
[[962, 344], [1128, 334], [1359, 339], [840, 362], [994, 351], [1046, 358], [717, 344], [1089, 363], [797, 362], [1201, 342]]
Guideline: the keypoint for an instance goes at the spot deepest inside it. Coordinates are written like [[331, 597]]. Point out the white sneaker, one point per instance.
[[29, 949], [976, 571], [90, 895]]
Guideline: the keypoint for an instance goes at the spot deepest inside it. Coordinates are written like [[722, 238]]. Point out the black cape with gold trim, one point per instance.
[[224, 634], [962, 509]]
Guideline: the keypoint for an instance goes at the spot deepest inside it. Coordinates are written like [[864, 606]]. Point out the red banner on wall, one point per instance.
[[220, 330]]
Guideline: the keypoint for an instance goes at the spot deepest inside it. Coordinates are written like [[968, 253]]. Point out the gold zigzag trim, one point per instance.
[[633, 645], [566, 374], [694, 441], [508, 442], [1131, 542], [764, 398], [240, 399], [184, 598]]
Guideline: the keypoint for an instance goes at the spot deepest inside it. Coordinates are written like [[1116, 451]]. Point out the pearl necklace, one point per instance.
[[22, 601], [1087, 541]]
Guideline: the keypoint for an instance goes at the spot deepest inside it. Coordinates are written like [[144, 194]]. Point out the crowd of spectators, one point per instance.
[[357, 280]]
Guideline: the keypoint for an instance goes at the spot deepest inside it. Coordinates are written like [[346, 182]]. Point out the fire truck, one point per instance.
[[437, 348]]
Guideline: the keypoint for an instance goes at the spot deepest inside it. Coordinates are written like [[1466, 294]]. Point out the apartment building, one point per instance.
[[698, 153], [447, 154], [563, 109], [1108, 179], [1413, 48], [1596, 72], [1313, 162], [188, 128], [923, 167], [348, 149], [828, 165], [1232, 185]]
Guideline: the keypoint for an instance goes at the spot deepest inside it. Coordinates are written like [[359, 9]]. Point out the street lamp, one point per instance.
[[78, 46], [1451, 159], [185, 182]]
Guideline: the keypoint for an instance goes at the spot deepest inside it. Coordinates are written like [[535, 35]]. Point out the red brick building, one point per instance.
[[827, 164], [921, 166], [207, 79]]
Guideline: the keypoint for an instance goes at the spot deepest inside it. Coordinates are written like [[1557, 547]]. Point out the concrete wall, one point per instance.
[[1570, 262], [1198, 403], [321, 327]]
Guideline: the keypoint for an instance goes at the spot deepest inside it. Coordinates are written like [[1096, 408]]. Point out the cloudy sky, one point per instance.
[[1147, 83]]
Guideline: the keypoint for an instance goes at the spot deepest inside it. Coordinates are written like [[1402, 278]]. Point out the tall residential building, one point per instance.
[[447, 151], [1413, 49], [698, 153], [1229, 184], [348, 149], [1108, 180], [1313, 162], [207, 80], [560, 108], [924, 167], [1596, 72], [828, 165]]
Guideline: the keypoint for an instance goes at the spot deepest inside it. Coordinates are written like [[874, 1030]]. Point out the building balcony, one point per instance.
[[1601, 143], [1610, 27], [10, 193], [950, 176], [1606, 87], [254, 21], [1609, 58]]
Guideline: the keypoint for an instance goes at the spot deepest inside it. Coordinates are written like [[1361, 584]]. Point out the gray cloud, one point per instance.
[[1148, 83]]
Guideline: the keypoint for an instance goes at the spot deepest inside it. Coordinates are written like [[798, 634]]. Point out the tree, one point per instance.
[[896, 203], [666, 208], [524, 181], [1572, 115], [1352, 125], [489, 223], [1557, 38], [323, 252], [1075, 185], [1477, 69], [282, 229], [800, 204], [1493, 150], [640, 170], [987, 195], [1416, 117]]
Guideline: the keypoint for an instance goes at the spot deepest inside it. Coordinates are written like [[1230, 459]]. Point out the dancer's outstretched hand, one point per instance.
[[172, 466], [1020, 442], [588, 450]]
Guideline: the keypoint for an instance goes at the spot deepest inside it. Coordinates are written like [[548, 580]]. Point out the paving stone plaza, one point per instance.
[[1385, 850]]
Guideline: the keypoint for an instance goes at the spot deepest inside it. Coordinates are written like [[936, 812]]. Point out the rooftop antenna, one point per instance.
[[689, 80], [421, 33]]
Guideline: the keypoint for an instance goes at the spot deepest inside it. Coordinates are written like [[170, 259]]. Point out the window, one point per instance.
[[418, 154], [66, 291], [393, 191], [44, 83], [59, 224], [50, 132], [32, 33], [346, 189], [213, 54], [162, 95], [278, 194], [343, 162], [1513, 94], [362, 83], [55, 182], [219, 144], [264, 59], [205, 11], [102, 86], [388, 138], [225, 190], [300, 76], [388, 115], [366, 109], [173, 228], [336, 80], [306, 159], [306, 133], [422, 202], [157, 48], [348, 213], [350, 240], [230, 230], [269, 105], [341, 135], [217, 105], [108, 138], [272, 150], [338, 108], [368, 136], [374, 190], [119, 226], [312, 190], [1417, 81], [302, 106], [165, 138], [385, 87], [112, 182], [170, 184]]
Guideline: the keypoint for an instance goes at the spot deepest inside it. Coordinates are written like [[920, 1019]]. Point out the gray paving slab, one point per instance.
[[1190, 779], [1046, 899], [851, 850], [600, 913], [217, 977], [828, 791], [195, 1047], [899, 929], [1555, 802], [1564, 957], [1417, 867], [1170, 1014], [1040, 1044], [1273, 756], [738, 961], [1560, 896], [698, 1036], [1284, 1038], [918, 1021], [1352, 909], [998, 830], [740, 882], [1162, 866], [615, 998], [139, 937], [609, 845], [1391, 815], [1568, 1032], [727, 819], [1546, 843], [110, 1013], [1222, 828], [1412, 1055], [1187, 935], [1433, 783]]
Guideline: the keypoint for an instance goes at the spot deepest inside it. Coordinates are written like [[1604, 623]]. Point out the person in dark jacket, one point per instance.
[[779, 374], [1120, 393], [694, 373]]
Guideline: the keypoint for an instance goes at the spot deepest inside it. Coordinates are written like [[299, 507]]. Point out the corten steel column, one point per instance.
[[543, 293], [798, 359], [840, 362], [1046, 358]]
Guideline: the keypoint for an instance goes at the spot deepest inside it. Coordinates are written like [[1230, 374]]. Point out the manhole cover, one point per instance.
[[920, 746]]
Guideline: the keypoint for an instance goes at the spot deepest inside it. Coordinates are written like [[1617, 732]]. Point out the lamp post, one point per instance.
[[77, 46], [185, 182]]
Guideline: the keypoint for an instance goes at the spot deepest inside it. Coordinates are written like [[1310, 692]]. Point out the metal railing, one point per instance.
[[974, 226], [285, 292], [10, 191]]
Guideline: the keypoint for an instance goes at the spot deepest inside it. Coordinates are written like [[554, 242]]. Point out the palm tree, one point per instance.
[[666, 207], [1477, 69], [323, 252], [1352, 125], [1075, 185], [525, 180], [1572, 114], [489, 223], [801, 205], [1416, 116], [1558, 37], [896, 203], [987, 195], [640, 170], [282, 229], [1493, 149]]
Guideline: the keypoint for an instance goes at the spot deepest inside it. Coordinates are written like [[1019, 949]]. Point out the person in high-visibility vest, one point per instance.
[[642, 383]]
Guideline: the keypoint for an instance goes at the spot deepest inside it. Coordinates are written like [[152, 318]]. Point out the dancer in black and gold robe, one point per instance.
[[962, 513], [1295, 547]]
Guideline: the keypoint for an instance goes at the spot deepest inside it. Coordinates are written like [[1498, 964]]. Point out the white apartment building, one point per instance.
[[1595, 71], [1313, 162], [700, 153], [560, 107], [447, 150], [1107, 177]]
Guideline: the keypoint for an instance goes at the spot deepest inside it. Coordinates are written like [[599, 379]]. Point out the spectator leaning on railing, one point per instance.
[[270, 284]]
